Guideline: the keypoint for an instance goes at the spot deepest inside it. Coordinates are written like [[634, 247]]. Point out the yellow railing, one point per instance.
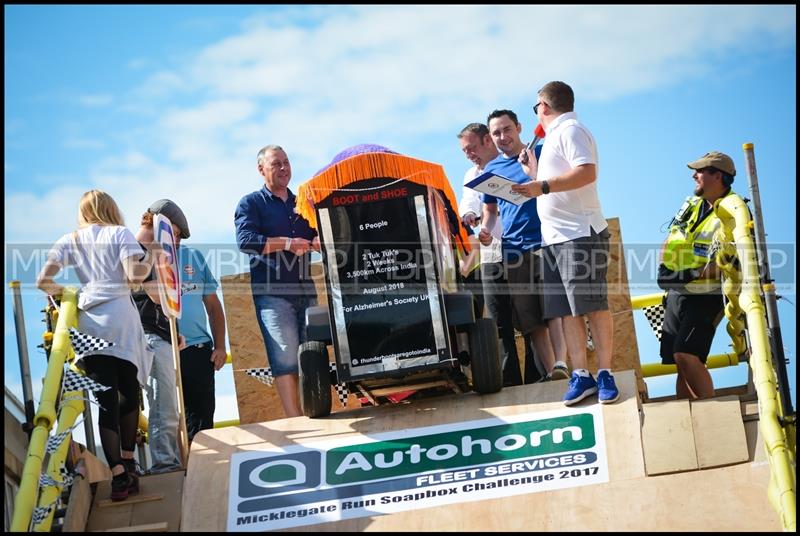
[[651, 370], [745, 310], [779, 441], [43, 421]]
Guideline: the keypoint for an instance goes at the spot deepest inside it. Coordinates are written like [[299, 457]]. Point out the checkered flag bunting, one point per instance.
[[655, 316], [66, 478], [83, 343], [78, 382], [54, 442], [341, 387], [589, 341], [47, 480], [264, 375], [40, 513]]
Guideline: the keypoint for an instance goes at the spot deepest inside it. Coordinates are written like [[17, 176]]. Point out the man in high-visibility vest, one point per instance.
[[689, 274]]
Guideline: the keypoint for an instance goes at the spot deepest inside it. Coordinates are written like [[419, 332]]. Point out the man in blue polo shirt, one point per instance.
[[278, 241], [522, 238]]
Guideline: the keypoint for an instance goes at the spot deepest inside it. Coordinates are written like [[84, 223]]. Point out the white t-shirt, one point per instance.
[[96, 252], [106, 309], [472, 201], [568, 215]]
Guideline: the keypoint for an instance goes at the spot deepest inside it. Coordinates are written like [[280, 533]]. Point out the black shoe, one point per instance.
[[131, 467], [120, 486]]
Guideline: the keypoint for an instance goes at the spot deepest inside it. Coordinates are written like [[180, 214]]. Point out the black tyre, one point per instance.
[[315, 379], [484, 351]]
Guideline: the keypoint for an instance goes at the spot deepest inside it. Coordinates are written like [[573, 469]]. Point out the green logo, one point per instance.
[[398, 457]]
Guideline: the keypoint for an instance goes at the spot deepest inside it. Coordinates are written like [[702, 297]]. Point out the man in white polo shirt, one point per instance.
[[575, 236]]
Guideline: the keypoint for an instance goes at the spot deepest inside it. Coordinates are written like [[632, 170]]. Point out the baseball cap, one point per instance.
[[716, 159], [173, 212]]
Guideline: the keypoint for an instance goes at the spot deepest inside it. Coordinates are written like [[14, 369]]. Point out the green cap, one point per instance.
[[716, 159]]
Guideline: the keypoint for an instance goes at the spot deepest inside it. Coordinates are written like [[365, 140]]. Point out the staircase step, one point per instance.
[[133, 499], [149, 527]]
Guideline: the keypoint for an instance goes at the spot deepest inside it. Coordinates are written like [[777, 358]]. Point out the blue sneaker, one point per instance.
[[607, 391], [579, 388]]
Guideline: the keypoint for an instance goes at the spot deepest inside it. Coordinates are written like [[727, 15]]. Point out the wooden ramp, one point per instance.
[[732, 497]]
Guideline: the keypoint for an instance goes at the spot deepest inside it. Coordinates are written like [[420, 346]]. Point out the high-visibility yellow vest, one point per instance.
[[689, 242]]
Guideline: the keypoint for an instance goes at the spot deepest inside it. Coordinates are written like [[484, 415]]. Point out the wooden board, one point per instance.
[[258, 402], [206, 492], [719, 431], [625, 355], [78, 507], [149, 527], [668, 438], [95, 470], [159, 500]]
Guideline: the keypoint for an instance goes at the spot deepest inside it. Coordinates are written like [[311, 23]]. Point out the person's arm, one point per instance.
[[250, 239], [489, 219], [469, 208], [137, 267], [216, 319], [675, 280], [575, 178], [45, 281]]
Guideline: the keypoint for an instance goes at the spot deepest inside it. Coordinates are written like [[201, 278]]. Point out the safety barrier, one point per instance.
[[43, 422]]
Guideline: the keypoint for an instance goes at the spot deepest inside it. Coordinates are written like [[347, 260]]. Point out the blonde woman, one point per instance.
[[108, 260]]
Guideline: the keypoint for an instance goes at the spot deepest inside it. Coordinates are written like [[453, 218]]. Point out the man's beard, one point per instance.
[[698, 191]]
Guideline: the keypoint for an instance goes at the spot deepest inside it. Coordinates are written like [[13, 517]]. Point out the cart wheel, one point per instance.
[[484, 351], [315, 379]]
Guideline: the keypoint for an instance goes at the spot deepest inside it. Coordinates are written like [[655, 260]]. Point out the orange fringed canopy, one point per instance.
[[375, 165]]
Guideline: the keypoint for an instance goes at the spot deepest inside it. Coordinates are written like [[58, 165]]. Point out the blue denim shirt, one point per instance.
[[261, 215]]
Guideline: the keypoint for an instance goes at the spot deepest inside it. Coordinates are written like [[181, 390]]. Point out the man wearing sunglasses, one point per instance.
[[575, 238], [689, 274]]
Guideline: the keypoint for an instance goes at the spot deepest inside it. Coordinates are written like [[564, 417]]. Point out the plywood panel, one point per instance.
[[258, 402], [625, 355], [149, 527], [667, 437], [167, 510], [209, 464], [78, 507], [159, 500], [719, 431], [108, 518], [92, 468], [669, 503]]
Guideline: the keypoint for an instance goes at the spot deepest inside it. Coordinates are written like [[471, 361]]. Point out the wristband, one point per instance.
[[545, 187], [288, 244]]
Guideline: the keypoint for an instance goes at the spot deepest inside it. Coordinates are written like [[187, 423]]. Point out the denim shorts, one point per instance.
[[282, 323]]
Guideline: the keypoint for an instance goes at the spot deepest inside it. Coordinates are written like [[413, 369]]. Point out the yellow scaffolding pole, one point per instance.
[[71, 407], [736, 225], [46, 415], [651, 370]]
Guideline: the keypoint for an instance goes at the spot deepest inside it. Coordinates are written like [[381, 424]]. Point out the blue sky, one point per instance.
[[148, 102]]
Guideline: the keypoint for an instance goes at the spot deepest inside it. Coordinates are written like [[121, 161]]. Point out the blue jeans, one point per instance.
[[282, 322], [162, 397]]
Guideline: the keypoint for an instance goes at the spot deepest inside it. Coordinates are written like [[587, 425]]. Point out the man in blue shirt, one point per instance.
[[278, 241], [522, 238], [202, 355]]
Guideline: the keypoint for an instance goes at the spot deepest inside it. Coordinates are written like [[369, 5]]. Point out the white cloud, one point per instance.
[[96, 101], [316, 81]]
